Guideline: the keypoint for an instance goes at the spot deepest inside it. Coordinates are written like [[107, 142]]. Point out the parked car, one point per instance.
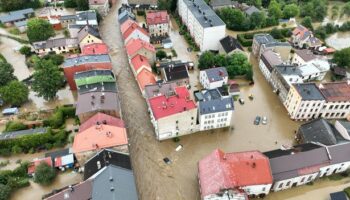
[[257, 120], [241, 101], [264, 120]]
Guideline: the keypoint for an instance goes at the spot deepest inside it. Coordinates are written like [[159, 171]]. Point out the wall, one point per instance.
[[148, 54], [257, 189], [159, 29], [215, 120], [212, 37], [300, 180], [88, 40], [135, 35]]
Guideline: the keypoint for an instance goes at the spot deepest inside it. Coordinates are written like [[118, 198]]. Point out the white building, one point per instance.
[[203, 24], [135, 32], [303, 56], [268, 60], [314, 70], [213, 78], [214, 110], [173, 116]]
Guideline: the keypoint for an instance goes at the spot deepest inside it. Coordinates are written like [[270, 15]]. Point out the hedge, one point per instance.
[[15, 126], [59, 117], [246, 39], [347, 191]]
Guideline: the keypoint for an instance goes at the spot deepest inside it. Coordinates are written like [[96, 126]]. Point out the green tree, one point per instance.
[[15, 126], [39, 30], [47, 79], [237, 64], [346, 9], [10, 5], [161, 54], [290, 10], [206, 60], [82, 4], [257, 20], [307, 22], [70, 3], [276, 33], [6, 73], [44, 174], [25, 50], [233, 18], [5, 192], [342, 58], [275, 10], [15, 93]]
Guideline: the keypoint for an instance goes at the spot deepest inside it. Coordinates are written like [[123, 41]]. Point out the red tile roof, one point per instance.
[[336, 91], [157, 17], [135, 45], [138, 61], [99, 137], [95, 49], [300, 30], [145, 77], [133, 27], [32, 166], [126, 25], [101, 118], [221, 170], [163, 106]]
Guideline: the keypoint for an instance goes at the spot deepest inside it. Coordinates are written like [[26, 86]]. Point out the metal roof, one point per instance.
[[216, 74], [203, 13], [211, 101], [16, 15], [308, 91], [69, 62], [114, 183], [16, 134]]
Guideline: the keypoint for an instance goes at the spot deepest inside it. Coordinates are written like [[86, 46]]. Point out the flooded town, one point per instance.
[[178, 99]]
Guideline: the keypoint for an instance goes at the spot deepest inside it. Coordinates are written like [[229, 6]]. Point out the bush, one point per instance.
[[15, 31], [15, 126], [59, 116], [44, 174], [347, 191], [5, 192], [161, 54], [25, 50], [17, 149], [55, 58], [244, 42]]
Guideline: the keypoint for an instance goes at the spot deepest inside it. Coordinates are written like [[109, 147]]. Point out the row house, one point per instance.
[[264, 42], [268, 60], [328, 100], [134, 31], [94, 49], [224, 176], [81, 18], [83, 63], [124, 13], [205, 27], [13, 17], [141, 47], [88, 35], [282, 77], [101, 6], [98, 80], [97, 136], [213, 78], [175, 72], [158, 23], [314, 70], [296, 166], [303, 37], [303, 56], [214, 109], [174, 115], [57, 46]]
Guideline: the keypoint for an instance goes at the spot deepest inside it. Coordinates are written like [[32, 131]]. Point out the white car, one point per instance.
[[264, 120]]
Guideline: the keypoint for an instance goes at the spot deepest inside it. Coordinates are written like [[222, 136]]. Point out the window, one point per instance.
[[177, 121], [302, 180], [280, 185], [288, 183], [309, 179]]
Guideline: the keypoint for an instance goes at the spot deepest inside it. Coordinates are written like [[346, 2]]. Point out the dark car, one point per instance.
[[257, 120]]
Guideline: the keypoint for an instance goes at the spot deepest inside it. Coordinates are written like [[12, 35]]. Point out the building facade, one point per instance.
[[158, 23], [213, 78], [268, 60], [205, 27]]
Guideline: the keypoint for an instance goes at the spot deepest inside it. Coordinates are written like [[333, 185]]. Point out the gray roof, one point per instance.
[[218, 3], [216, 74], [124, 15], [251, 10], [339, 153], [264, 38], [90, 102], [230, 43], [16, 134], [69, 62], [345, 124], [68, 17], [81, 16], [305, 54], [211, 101], [308, 91], [114, 183], [86, 30], [57, 42], [288, 70], [77, 191], [16, 15], [199, 8], [21, 23], [286, 163], [154, 90], [270, 59], [279, 44], [320, 131]]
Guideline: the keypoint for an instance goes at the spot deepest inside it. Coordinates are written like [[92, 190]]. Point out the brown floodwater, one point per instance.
[[338, 41]]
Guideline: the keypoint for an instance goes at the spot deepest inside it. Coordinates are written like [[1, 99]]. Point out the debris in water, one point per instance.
[[167, 160], [179, 147]]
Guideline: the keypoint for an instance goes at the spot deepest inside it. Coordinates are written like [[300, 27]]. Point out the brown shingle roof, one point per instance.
[[336, 91]]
